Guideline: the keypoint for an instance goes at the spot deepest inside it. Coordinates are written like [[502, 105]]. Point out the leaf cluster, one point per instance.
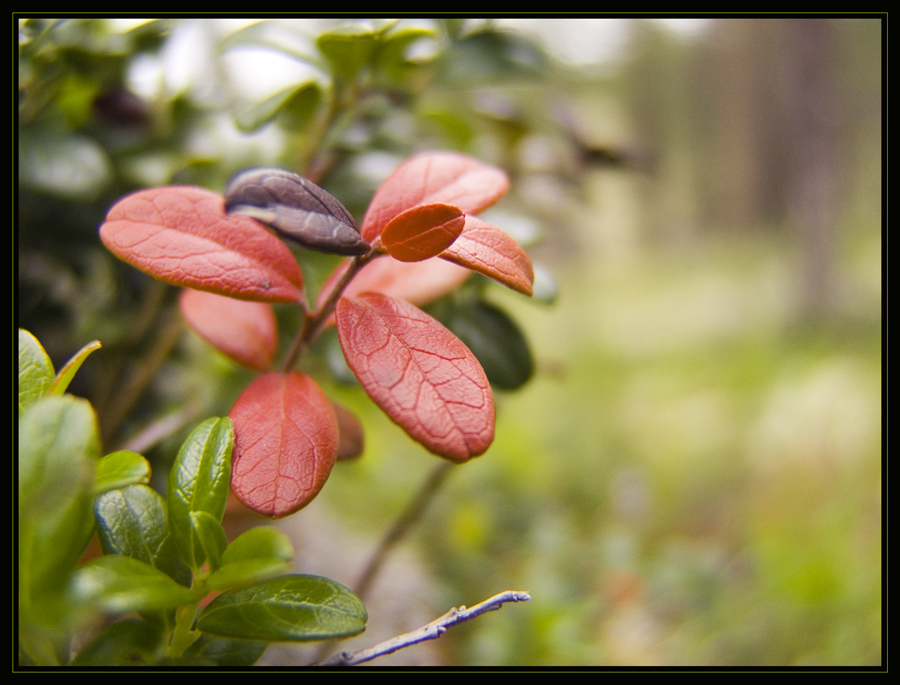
[[287, 434], [163, 558]]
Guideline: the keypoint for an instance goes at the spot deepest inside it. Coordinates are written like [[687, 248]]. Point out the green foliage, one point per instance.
[[161, 558]]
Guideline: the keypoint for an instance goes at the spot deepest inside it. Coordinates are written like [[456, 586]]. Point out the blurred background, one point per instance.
[[692, 474]]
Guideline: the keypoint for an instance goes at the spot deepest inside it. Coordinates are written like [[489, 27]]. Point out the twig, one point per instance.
[[430, 631]]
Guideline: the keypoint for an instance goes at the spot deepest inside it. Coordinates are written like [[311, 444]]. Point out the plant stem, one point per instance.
[[314, 322], [183, 636], [430, 631]]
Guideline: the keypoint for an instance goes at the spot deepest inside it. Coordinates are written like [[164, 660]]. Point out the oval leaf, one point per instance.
[[420, 374], [286, 442], [295, 607], [353, 438], [118, 469], [491, 252], [297, 208], [495, 340], [181, 235], [431, 177], [256, 554], [118, 584], [199, 482], [134, 522], [245, 332], [225, 652], [35, 370], [422, 232]]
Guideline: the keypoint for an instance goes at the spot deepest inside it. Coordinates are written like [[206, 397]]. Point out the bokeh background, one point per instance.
[[693, 474]]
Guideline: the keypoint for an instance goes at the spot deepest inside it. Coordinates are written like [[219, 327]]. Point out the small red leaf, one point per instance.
[[181, 235], [422, 232], [243, 331], [446, 177], [285, 443], [420, 374], [491, 252]]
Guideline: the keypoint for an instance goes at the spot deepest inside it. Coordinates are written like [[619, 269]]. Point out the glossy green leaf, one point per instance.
[[67, 372], [495, 340], [35, 370], [199, 482], [130, 642], [118, 469], [293, 608], [211, 535], [227, 652], [256, 554], [117, 584], [133, 522]]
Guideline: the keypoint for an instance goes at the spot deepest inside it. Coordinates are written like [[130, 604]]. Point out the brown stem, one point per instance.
[[314, 322]]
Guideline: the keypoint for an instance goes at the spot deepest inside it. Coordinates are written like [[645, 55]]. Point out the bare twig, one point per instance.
[[430, 631]]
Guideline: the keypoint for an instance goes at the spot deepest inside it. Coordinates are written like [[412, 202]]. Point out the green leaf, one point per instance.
[[227, 652], [35, 370], [298, 104], [118, 469], [256, 554], [495, 340], [133, 522], [295, 608], [58, 450], [117, 584], [211, 536], [199, 482], [67, 373], [348, 47], [131, 642]]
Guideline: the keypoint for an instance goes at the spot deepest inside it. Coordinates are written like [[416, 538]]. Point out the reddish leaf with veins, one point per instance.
[[420, 374], [181, 235], [285, 443], [446, 177], [243, 331], [422, 232], [491, 252]]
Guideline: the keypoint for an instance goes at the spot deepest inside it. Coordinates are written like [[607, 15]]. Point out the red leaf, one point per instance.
[[243, 331], [415, 282], [181, 235], [285, 443], [446, 177], [491, 252], [420, 374], [422, 232]]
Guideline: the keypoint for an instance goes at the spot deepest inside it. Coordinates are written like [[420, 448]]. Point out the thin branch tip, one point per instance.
[[430, 631]]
